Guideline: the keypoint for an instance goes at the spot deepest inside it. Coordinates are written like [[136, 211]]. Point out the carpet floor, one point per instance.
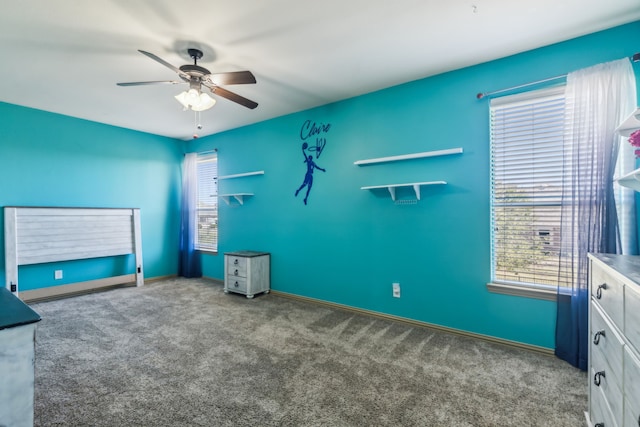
[[179, 352]]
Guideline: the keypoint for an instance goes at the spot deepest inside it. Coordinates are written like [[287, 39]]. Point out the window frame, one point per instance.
[[502, 286]]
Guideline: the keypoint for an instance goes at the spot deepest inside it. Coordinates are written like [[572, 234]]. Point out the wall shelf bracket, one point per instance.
[[238, 196], [392, 187], [631, 124]]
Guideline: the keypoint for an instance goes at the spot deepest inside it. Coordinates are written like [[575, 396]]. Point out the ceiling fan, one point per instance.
[[197, 76]]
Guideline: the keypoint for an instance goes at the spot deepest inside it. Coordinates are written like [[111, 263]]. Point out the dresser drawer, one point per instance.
[[631, 414], [607, 346], [611, 391], [632, 387], [599, 411], [237, 284], [607, 291], [632, 315]]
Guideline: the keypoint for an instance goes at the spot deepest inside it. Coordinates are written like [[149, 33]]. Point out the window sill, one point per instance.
[[522, 291], [207, 251]]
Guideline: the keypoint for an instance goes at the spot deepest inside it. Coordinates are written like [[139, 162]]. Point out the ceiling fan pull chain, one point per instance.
[[196, 124]]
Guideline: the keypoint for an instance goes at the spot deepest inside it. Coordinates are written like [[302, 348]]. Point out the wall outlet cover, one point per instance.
[[396, 290]]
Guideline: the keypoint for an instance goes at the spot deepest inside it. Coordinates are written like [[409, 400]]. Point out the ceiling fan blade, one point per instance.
[[156, 82], [234, 97], [165, 63], [233, 78]]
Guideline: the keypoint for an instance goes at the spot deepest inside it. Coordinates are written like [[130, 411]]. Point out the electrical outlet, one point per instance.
[[57, 274], [396, 290]]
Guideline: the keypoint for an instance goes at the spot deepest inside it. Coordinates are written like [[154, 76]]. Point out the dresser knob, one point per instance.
[[235, 262], [598, 377], [596, 337], [235, 272], [599, 291], [599, 425], [236, 285]]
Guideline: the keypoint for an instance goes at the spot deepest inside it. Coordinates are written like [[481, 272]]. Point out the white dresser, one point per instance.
[[247, 272], [614, 349], [17, 360]]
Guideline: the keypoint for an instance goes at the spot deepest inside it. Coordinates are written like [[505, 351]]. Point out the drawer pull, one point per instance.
[[597, 378], [599, 425], [596, 337], [235, 273], [599, 291], [236, 284], [235, 261]]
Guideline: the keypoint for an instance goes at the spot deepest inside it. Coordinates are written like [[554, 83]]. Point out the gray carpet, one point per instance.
[[182, 353]]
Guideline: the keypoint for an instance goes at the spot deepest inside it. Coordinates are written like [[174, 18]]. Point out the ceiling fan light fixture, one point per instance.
[[194, 100]]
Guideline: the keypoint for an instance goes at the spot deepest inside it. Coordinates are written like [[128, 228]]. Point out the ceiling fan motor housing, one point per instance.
[[194, 70]]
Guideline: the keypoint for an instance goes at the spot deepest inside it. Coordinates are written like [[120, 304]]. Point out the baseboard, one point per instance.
[[530, 347], [213, 279], [80, 288], [158, 278]]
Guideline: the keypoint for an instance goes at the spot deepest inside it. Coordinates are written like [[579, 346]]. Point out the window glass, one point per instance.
[[207, 209], [526, 187]]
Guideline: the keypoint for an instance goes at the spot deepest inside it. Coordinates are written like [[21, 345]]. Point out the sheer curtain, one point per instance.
[[597, 100], [189, 264]]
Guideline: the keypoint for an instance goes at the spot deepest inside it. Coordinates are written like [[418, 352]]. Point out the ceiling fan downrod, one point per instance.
[[195, 54]]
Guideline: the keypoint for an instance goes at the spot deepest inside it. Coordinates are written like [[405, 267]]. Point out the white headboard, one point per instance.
[[34, 235]]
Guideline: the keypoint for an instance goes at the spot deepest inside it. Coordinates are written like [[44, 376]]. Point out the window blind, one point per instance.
[[207, 209], [526, 187]]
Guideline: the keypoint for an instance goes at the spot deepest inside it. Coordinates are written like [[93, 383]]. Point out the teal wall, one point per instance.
[[52, 160], [348, 245]]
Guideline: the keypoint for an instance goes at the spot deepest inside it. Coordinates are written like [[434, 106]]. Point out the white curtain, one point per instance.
[[598, 99]]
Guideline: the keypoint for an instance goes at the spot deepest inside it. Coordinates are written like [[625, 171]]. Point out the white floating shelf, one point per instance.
[[238, 196], [240, 175], [630, 180], [392, 187], [409, 156], [631, 124]]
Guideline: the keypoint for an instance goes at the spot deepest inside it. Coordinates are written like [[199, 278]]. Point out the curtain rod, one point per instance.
[[204, 153], [634, 58]]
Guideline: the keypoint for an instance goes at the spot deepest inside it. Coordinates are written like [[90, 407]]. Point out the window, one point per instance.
[[207, 209], [526, 188]]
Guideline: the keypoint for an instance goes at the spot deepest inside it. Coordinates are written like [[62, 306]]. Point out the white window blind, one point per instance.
[[526, 187], [207, 209]]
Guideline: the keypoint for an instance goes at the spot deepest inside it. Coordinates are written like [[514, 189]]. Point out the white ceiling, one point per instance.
[[66, 56]]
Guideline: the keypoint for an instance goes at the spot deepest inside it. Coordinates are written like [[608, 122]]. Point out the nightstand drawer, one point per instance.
[[237, 263], [237, 272], [607, 291], [237, 284]]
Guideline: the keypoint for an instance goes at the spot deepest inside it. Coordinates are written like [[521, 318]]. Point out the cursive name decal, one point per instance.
[[310, 129]]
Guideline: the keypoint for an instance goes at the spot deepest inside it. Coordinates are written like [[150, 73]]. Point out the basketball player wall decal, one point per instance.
[[308, 131]]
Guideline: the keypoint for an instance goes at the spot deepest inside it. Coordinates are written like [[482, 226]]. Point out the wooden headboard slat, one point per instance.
[[36, 235]]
